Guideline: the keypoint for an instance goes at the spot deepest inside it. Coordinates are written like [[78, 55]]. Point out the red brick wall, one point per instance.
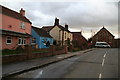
[[77, 37], [103, 36], [29, 55]]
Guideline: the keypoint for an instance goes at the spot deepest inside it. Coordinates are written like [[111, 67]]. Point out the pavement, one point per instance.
[[27, 65]]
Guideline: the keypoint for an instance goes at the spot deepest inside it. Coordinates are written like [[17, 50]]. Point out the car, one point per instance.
[[102, 45]]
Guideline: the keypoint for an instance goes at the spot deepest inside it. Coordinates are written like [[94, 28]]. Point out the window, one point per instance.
[[65, 35], [22, 25], [33, 40], [9, 40], [21, 41]]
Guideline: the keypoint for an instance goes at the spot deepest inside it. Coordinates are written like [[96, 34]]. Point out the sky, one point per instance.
[[88, 16]]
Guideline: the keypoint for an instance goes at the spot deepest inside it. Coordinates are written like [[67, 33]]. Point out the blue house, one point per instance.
[[41, 38]]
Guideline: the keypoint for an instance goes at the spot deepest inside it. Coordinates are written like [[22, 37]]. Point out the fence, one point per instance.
[[31, 53]]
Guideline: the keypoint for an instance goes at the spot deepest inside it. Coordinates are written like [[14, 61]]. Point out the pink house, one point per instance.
[[15, 28]]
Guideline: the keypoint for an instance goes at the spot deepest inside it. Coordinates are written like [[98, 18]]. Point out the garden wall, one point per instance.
[[29, 54]]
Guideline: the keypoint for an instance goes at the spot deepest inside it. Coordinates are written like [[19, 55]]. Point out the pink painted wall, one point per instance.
[[15, 23], [14, 42]]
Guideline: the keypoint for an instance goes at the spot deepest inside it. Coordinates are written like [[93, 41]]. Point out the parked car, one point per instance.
[[102, 45]]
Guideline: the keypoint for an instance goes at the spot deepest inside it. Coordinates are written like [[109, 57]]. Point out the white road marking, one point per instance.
[[103, 62], [100, 76], [39, 74], [104, 55]]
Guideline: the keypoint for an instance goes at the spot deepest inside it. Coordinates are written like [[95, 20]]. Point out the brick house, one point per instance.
[[79, 40], [103, 35], [15, 28], [60, 34], [117, 43]]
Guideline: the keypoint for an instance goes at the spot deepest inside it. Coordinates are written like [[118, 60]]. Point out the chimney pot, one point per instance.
[[66, 26], [56, 21], [22, 12]]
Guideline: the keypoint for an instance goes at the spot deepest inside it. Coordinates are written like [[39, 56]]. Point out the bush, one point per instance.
[[11, 52]]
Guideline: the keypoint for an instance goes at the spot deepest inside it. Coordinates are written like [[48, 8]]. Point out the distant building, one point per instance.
[[79, 40], [61, 35], [15, 28], [117, 43], [103, 35], [41, 38]]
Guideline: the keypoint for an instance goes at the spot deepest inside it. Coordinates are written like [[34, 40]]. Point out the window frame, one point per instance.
[[22, 25], [7, 39], [33, 41], [22, 41]]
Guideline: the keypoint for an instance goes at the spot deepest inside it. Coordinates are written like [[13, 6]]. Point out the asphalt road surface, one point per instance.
[[99, 63]]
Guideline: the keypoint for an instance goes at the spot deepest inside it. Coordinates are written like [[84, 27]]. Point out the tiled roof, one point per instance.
[[48, 28], [41, 32], [13, 14], [105, 30], [63, 28], [80, 35]]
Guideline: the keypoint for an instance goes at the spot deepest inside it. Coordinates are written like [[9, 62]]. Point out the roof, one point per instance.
[[13, 33], [76, 33], [13, 14], [105, 30], [63, 28], [48, 28], [41, 32]]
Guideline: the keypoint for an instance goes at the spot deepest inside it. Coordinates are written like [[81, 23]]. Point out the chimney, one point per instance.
[[22, 12], [66, 26], [56, 21]]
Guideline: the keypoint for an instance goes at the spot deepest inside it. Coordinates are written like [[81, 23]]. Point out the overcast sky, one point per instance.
[[86, 16]]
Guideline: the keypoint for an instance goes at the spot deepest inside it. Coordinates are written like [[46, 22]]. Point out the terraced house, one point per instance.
[[15, 28], [60, 34]]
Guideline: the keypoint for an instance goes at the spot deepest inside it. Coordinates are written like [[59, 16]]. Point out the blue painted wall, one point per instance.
[[40, 40]]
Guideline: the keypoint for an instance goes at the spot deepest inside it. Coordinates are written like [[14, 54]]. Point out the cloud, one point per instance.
[[84, 16]]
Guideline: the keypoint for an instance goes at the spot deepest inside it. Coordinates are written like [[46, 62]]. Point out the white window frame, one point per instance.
[[22, 25], [22, 41], [8, 39]]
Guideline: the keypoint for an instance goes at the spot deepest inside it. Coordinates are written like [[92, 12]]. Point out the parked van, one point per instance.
[[102, 45]]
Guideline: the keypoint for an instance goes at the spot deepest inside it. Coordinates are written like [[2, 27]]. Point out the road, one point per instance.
[[99, 63]]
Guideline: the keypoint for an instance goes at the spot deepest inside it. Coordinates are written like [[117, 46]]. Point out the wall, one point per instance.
[[39, 40], [79, 41], [55, 33], [42, 45], [14, 43], [103, 36], [35, 35], [15, 23], [29, 55]]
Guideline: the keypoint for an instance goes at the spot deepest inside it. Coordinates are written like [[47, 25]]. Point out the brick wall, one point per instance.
[[29, 55]]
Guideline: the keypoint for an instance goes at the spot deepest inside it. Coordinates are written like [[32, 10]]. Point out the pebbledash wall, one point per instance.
[[29, 55]]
